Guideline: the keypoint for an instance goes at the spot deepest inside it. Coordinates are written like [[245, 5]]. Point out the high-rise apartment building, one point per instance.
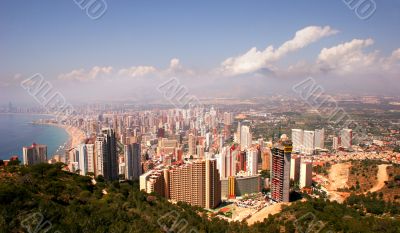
[[280, 173], [132, 155], [252, 161], [297, 138], [308, 142], [245, 137], [226, 161], [34, 154], [319, 138], [192, 145], [305, 174], [85, 157], [156, 181], [295, 168], [106, 154], [200, 151], [346, 138], [335, 143], [228, 118], [197, 183], [266, 158]]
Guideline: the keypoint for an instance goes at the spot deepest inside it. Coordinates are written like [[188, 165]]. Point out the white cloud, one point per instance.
[[83, 75], [137, 71], [347, 57], [175, 64], [392, 64], [254, 59]]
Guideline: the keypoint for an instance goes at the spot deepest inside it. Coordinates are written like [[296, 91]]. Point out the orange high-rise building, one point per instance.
[[197, 183]]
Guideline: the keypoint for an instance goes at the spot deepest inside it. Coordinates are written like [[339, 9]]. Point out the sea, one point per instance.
[[17, 130]]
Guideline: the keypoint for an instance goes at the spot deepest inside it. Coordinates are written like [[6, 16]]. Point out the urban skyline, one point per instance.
[[212, 116]]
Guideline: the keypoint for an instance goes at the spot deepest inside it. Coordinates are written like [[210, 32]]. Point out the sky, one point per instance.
[[222, 48]]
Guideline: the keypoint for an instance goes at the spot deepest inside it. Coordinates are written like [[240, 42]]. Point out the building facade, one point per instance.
[[280, 173], [34, 154]]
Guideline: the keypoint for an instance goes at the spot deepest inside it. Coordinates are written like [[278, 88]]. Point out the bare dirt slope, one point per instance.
[[382, 177], [338, 176]]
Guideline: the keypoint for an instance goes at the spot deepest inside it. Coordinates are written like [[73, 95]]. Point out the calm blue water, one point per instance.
[[16, 132]]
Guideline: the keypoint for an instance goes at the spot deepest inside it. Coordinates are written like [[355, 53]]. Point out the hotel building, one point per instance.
[[34, 154]]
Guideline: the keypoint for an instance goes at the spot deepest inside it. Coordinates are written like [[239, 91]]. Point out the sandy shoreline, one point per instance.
[[76, 135]]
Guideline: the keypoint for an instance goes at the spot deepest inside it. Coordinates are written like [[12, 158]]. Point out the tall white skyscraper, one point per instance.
[[237, 136], [297, 139], [226, 161], [85, 158], [252, 161], [320, 138], [100, 149], [245, 137], [346, 138], [133, 168], [308, 142], [220, 158]]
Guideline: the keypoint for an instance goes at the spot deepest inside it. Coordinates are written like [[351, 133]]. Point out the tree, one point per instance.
[[14, 162], [265, 174]]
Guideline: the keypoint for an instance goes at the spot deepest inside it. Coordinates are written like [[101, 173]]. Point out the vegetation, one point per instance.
[[265, 174], [46, 197], [373, 203], [363, 175], [323, 170]]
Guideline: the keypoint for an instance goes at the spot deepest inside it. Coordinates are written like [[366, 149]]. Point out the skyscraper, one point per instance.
[[266, 158], [228, 118], [132, 154], [335, 143], [305, 174], [308, 142], [34, 154], [196, 183], [319, 139], [245, 137], [192, 145], [226, 161], [295, 168], [252, 161], [85, 158], [106, 154], [200, 151], [280, 179], [346, 138], [297, 138]]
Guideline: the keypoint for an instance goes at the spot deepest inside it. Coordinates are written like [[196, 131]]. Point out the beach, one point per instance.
[[76, 135]]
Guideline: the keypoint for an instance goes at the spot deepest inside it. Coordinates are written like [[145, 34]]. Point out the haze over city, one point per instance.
[[200, 116]]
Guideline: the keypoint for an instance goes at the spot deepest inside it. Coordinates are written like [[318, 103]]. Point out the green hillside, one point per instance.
[[44, 198]]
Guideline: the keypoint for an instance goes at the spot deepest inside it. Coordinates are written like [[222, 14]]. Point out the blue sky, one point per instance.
[[57, 37]]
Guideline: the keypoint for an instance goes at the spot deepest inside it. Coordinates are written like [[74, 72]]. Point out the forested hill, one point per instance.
[[44, 198]]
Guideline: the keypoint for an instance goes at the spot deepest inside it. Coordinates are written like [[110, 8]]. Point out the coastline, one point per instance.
[[27, 114], [75, 135]]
